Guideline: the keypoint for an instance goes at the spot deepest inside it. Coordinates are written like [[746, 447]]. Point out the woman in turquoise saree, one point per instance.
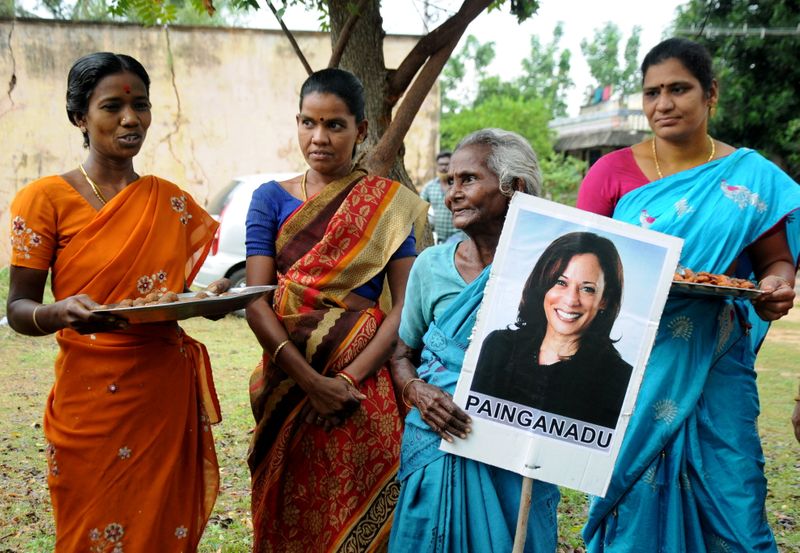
[[447, 503], [690, 474]]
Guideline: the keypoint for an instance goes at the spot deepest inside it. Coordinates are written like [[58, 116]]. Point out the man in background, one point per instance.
[[434, 192]]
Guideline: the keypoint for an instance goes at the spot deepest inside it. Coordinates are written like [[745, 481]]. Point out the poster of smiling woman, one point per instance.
[[561, 342]]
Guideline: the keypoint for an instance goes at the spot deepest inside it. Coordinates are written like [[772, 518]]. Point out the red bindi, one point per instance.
[[126, 88]]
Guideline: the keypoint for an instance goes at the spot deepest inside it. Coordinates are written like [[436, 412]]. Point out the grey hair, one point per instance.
[[511, 157]]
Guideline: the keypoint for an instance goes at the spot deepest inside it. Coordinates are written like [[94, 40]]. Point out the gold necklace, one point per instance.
[[655, 156], [95, 189], [303, 187]]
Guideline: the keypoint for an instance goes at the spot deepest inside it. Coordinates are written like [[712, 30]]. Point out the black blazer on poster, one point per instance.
[[589, 387]]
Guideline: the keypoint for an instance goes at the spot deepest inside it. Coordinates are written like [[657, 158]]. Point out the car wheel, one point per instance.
[[238, 279]]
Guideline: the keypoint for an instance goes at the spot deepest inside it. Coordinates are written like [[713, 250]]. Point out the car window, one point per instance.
[[221, 199]]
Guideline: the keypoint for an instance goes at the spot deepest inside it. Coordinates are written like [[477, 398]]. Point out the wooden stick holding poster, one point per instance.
[[522, 518], [561, 342]]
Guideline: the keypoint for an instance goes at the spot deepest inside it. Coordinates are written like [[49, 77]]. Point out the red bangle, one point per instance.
[[349, 378]]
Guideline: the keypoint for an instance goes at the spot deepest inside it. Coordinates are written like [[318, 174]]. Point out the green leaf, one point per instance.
[[757, 76]]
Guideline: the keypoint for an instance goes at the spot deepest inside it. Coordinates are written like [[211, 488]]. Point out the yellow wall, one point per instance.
[[229, 112]]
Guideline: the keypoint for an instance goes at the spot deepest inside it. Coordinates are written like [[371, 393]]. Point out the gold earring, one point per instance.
[[712, 110], [360, 140]]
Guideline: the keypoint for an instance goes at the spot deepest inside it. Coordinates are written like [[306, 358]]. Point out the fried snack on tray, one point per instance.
[[159, 298], [703, 277], [169, 297]]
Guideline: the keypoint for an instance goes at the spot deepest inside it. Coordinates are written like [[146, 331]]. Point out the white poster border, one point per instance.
[[545, 459]]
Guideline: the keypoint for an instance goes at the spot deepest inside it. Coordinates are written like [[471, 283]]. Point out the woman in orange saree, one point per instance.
[[131, 459], [326, 446]]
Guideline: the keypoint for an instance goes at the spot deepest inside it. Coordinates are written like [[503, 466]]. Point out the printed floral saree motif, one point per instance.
[[336, 491], [131, 458], [687, 455]]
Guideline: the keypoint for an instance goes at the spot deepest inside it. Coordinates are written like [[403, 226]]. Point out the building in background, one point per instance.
[[604, 125], [224, 102]]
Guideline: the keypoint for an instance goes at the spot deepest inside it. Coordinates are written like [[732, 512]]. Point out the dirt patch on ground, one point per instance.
[[789, 335], [785, 329]]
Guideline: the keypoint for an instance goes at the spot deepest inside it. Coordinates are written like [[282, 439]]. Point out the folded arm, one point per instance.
[[436, 406], [332, 399]]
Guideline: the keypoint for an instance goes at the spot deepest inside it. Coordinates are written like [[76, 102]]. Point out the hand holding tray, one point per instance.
[[703, 284], [701, 289], [188, 305]]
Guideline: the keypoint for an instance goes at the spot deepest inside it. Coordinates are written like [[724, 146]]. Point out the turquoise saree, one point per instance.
[[452, 504], [690, 474]]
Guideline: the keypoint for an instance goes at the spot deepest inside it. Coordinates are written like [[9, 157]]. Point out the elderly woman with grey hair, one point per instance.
[[448, 503]]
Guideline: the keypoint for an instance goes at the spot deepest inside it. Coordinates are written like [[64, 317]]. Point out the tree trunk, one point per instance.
[[363, 56]]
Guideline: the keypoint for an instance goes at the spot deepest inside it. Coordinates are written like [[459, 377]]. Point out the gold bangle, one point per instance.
[[40, 329], [278, 349], [403, 393], [347, 378]]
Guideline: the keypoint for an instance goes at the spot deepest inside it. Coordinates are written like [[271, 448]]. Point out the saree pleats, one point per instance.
[[690, 473], [451, 504], [131, 458], [335, 491]]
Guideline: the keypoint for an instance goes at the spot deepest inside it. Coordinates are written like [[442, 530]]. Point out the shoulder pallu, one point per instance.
[[689, 476], [132, 465], [336, 491], [452, 504]]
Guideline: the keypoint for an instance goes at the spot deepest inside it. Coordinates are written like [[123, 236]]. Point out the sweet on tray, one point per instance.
[[161, 298], [176, 307], [703, 277]]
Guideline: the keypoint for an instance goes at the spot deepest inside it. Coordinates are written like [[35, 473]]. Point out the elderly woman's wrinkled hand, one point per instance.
[[439, 411], [777, 300]]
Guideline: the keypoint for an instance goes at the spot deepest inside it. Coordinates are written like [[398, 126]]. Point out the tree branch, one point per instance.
[[431, 43], [290, 36], [346, 33], [436, 48], [382, 157]]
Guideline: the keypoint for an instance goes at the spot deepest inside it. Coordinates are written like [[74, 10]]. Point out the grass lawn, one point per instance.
[[26, 376]]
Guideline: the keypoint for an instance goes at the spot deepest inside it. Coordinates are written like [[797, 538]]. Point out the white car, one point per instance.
[[229, 207]]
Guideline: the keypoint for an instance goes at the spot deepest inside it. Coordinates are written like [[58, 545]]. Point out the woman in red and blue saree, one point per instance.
[[326, 447], [131, 459], [451, 504], [690, 476]]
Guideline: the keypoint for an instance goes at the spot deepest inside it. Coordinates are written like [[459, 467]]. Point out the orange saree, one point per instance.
[[315, 491], [131, 458]]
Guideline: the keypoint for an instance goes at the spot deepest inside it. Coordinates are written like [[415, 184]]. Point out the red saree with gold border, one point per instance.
[[315, 491], [131, 458]]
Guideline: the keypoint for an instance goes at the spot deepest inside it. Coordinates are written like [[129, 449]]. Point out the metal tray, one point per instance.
[[704, 290], [189, 306]]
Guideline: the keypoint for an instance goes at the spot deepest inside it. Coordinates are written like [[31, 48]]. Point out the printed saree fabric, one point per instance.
[[451, 504], [131, 458], [689, 476], [315, 491]]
